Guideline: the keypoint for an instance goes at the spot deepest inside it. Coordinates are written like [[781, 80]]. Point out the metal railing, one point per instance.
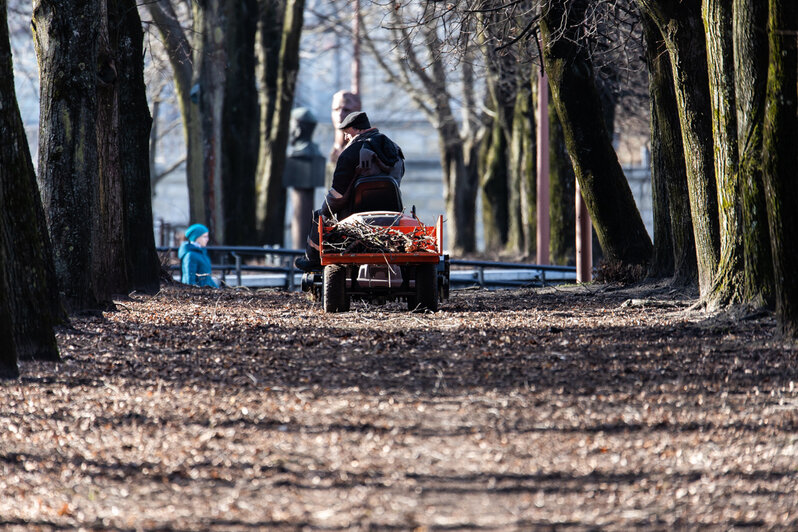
[[236, 266], [229, 260]]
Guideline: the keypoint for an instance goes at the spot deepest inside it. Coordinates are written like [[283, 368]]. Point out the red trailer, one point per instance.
[[419, 275]]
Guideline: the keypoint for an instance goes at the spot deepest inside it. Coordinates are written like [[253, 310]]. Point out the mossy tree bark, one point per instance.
[[780, 138], [681, 26], [270, 209], [134, 125], [65, 36], [671, 200], [751, 61], [728, 284], [617, 221], [30, 304]]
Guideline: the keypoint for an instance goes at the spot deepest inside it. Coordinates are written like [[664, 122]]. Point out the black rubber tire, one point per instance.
[[334, 294], [426, 288]]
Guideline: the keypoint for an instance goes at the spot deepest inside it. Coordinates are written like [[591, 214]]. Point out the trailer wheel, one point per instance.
[[426, 288], [334, 293]]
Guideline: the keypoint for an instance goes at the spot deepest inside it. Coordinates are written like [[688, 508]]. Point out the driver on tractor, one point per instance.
[[368, 153]]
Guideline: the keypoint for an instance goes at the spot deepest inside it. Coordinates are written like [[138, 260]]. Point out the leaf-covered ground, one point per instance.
[[570, 408]]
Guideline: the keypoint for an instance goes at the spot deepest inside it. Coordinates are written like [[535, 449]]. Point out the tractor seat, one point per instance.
[[375, 193]]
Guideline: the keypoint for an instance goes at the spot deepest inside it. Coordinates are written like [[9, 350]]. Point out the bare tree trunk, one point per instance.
[[728, 285], [562, 188], [668, 171], [239, 145], [501, 80], [680, 24], [134, 129], [108, 250], [522, 170], [29, 301], [663, 261], [494, 187], [781, 158], [271, 195], [209, 72], [751, 61], [178, 48], [65, 36], [617, 221]]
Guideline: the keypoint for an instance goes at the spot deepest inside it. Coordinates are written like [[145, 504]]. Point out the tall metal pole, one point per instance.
[[543, 235], [356, 49], [584, 239]]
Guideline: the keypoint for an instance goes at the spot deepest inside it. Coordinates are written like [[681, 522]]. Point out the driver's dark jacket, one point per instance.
[[346, 171]]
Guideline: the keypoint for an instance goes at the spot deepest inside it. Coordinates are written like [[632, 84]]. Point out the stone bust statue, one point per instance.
[[305, 164]]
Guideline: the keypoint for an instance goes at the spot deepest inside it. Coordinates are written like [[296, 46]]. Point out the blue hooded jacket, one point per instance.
[[196, 265]]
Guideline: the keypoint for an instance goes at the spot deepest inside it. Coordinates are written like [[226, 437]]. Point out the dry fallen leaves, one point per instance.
[[200, 409]]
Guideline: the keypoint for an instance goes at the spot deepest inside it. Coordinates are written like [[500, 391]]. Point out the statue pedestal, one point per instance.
[[302, 200]]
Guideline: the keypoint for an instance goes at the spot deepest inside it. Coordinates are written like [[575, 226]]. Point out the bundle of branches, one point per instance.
[[357, 236]]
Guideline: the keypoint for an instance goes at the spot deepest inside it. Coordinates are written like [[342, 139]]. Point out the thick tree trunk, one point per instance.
[[134, 130], [751, 61], [728, 285], [270, 213], [240, 125], [178, 49], [617, 221], [668, 171], [108, 249], [682, 29], [780, 156], [29, 301], [66, 34]]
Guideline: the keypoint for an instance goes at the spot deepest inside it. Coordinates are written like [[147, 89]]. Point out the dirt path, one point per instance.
[[567, 408]]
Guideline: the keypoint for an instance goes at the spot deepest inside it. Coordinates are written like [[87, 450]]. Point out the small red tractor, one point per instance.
[[416, 271]]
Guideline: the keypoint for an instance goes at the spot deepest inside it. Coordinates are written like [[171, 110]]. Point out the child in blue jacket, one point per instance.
[[196, 265]]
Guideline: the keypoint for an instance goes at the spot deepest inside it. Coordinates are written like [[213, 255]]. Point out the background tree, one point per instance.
[[562, 208], [674, 242], [410, 57], [620, 229], [278, 79], [134, 123], [682, 29], [522, 230], [31, 305], [240, 124], [179, 48]]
